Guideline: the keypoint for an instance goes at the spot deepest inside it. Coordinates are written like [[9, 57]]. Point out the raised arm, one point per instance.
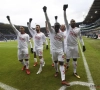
[[13, 27], [56, 19], [65, 17], [32, 32], [46, 26], [47, 19], [82, 42]]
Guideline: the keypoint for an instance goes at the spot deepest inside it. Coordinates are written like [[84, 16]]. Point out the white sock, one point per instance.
[[35, 59], [62, 71], [41, 63], [46, 42], [27, 64], [52, 59], [74, 66], [23, 63], [56, 67]]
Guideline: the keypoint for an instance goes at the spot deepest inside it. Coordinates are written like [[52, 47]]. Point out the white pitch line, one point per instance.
[[6, 87], [90, 80], [80, 83], [77, 83]]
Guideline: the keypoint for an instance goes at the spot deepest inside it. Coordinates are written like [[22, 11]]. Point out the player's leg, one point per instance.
[[68, 56], [35, 57], [23, 63], [56, 67], [51, 56], [75, 56], [40, 54], [62, 68], [26, 57], [52, 62], [67, 64], [54, 57], [75, 67], [27, 66], [20, 58], [35, 60]]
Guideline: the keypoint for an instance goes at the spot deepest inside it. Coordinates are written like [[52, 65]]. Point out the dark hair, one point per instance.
[[57, 27], [56, 23], [72, 20], [38, 25]]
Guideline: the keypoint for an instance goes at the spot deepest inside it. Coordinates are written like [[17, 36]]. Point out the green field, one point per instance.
[[11, 74]]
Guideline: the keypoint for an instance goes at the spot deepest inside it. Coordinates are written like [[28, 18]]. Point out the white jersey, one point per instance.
[[39, 38], [23, 40], [50, 36], [57, 41], [72, 36]]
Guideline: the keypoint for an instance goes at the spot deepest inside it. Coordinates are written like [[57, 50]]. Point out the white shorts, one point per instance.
[[39, 52], [23, 54], [57, 55], [72, 52]]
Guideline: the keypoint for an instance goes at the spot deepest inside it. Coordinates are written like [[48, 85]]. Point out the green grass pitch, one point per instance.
[[11, 74]]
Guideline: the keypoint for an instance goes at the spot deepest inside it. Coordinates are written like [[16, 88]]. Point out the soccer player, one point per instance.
[[72, 44], [39, 39], [23, 40], [62, 29], [33, 49], [57, 47]]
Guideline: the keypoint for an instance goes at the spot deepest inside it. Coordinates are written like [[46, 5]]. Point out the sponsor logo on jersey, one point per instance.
[[73, 33], [57, 37], [22, 39], [37, 37]]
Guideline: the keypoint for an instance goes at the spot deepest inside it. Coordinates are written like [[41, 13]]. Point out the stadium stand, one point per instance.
[[6, 32], [91, 24]]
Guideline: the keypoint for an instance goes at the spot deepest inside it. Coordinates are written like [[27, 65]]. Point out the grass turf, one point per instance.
[[11, 74]]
